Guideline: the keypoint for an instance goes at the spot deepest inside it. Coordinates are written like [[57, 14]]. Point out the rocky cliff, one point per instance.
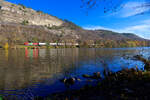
[[20, 14]]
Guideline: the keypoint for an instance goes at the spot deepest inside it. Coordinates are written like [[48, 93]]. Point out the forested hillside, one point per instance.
[[14, 34]]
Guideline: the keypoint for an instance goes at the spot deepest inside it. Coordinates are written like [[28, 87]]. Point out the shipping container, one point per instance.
[[53, 44], [61, 43], [30, 44], [42, 44], [26, 43], [76, 44], [35, 44], [68, 44]]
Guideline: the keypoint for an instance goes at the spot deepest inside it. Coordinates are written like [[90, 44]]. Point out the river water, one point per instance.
[[26, 73]]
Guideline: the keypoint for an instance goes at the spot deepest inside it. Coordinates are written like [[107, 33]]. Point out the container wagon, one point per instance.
[[42, 44], [31, 44]]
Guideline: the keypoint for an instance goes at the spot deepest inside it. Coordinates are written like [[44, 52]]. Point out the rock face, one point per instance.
[[12, 13]]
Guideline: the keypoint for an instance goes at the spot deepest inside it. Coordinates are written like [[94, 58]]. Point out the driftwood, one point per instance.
[[95, 75], [145, 61]]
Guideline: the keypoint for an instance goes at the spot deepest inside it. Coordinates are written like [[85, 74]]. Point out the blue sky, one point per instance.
[[125, 19]]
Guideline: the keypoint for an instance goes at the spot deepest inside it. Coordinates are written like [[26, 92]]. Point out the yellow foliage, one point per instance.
[[6, 46]]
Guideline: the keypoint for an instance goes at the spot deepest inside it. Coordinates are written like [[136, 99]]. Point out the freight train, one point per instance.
[[50, 44]]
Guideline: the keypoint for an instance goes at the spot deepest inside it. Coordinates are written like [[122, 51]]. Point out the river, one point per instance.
[[26, 73]]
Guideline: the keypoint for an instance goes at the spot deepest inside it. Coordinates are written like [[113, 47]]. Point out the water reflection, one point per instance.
[[31, 53], [36, 71], [6, 54]]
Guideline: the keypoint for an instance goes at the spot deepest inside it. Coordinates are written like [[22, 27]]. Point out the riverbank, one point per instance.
[[55, 47], [128, 84], [39, 47]]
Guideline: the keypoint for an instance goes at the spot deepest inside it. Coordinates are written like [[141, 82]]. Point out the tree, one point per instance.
[[111, 5], [6, 46], [25, 22]]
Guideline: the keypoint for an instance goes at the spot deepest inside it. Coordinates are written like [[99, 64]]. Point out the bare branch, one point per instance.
[[112, 5]]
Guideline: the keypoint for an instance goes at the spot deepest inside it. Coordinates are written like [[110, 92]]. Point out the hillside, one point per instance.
[[19, 24], [118, 36], [20, 14]]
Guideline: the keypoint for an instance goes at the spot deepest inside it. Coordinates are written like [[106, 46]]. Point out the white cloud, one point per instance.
[[92, 27], [142, 29], [132, 9]]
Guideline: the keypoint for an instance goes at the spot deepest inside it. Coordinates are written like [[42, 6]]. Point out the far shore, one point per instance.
[[55, 47]]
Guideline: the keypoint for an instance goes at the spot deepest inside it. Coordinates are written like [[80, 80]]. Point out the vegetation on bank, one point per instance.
[[49, 47], [128, 84], [85, 44], [15, 34]]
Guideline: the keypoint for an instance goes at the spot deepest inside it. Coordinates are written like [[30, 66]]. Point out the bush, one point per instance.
[[12, 5], [25, 22], [24, 7], [38, 11]]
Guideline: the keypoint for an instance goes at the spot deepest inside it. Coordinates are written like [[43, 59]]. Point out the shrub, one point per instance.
[[12, 5], [25, 22], [24, 7], [38, 11]]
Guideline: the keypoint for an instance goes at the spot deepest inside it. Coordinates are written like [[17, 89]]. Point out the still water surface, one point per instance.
[[26, 73]]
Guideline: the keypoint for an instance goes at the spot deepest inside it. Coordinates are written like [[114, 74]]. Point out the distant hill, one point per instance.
[[106, 34], [19, 24]]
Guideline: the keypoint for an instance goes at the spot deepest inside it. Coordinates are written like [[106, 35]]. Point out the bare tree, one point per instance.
[[112, 5]]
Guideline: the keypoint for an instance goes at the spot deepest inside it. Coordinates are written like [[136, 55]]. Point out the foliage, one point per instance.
[[24, 7], [38, 11], [20, 8], [18, 34], [13, 5], [25, 22], [6, 46], [114, 44], [54, 27], [71, 25]]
